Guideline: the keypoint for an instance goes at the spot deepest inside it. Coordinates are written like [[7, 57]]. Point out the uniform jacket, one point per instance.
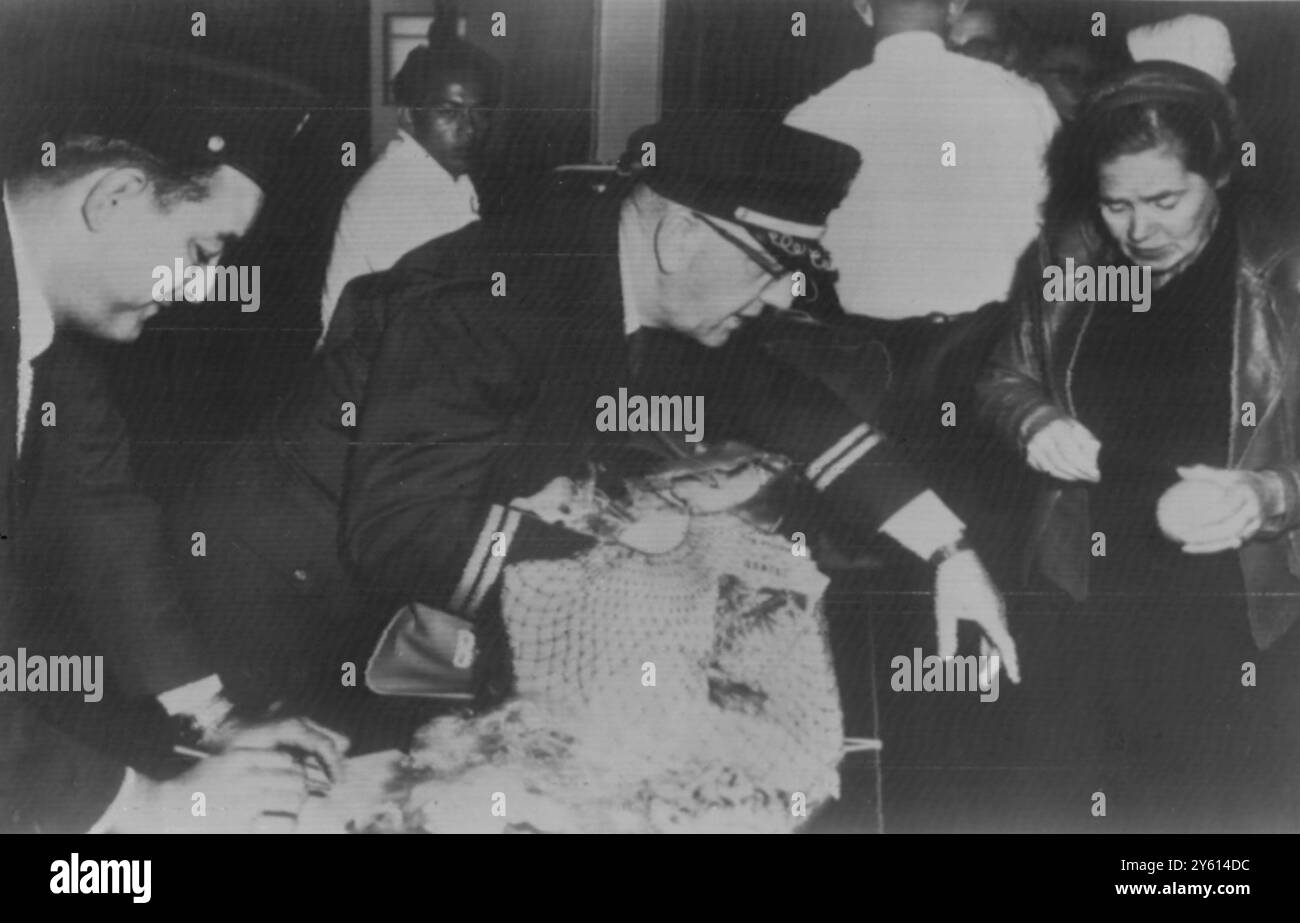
[[430, 406], [1027, 385], [475, 399]]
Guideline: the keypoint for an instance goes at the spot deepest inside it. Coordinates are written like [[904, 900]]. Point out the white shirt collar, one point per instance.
[[35, 322], [405, 148], [906, 45], [631, 315]]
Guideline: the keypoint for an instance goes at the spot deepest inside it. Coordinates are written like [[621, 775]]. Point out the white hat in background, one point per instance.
[[1198, 41]]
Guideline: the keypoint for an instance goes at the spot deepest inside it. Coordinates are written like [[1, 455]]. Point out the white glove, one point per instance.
[[1215, 509], [1065, 449], [963, 589]]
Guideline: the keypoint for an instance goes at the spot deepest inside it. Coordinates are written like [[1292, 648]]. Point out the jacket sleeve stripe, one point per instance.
[[492, 570], [469, 577], [851, 438], [847, 461]]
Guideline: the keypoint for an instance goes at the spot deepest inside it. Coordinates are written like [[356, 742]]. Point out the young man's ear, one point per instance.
[[676, 240], [110, 193]]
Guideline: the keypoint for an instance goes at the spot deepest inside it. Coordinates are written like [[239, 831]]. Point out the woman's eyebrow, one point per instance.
[[1119, 200]]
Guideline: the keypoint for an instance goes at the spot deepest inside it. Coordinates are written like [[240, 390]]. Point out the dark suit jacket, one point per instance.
[[96, 568], [48, 781], [88, 568]]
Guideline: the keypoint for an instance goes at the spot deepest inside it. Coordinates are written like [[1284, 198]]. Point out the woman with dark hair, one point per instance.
[[1167, 440]]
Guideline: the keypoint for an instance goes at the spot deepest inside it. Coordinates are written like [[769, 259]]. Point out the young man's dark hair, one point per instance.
[[429, 67], [82, 154]]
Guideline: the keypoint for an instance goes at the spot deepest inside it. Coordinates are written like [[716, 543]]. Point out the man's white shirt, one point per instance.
[[35, 322], [405, 199], [915, 237]]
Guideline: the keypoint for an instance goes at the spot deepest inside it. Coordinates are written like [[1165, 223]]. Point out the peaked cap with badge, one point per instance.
[[188, 111], [778, 182]]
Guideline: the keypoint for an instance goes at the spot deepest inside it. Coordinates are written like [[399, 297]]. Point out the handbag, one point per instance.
[[424, 652]]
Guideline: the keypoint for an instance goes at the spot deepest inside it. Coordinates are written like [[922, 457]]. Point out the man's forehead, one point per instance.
[[233, 198], [460, 89], [236, 182]]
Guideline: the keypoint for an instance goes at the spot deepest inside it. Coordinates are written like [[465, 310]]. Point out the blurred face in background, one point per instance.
[[453, 123], [1160, 213], [975, 33], [1066, 72]]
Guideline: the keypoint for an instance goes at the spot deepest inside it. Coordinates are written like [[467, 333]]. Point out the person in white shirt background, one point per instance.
[[920, 247], [970, 219], [421, 186], [945, 204]]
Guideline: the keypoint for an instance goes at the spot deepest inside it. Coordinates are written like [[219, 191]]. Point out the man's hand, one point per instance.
[[963, 589], [257, 784], [1216, 509], [315, 745], [1065, 449]]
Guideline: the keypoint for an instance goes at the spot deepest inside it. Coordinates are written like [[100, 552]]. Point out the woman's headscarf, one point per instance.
[[1080, 146], [1163, 82]]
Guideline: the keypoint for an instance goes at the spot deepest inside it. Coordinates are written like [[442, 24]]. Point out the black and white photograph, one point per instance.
[[650, 416]]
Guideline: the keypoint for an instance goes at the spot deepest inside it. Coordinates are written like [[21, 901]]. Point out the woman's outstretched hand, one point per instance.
[[1216, 509], [1065, 449]]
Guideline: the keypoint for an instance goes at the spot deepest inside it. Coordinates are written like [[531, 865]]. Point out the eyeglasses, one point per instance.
[[768, 263]]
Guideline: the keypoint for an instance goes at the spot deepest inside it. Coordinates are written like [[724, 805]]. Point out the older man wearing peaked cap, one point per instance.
[[130, 158], [478, 409]]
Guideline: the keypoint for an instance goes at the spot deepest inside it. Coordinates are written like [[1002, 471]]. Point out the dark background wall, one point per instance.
[[740, 54]]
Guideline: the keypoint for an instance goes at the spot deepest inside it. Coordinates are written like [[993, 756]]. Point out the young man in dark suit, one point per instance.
[[114, 168]]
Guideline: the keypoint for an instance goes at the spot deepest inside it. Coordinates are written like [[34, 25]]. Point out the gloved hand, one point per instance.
[[963, 589], [1065, 449], [1218, 509]]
